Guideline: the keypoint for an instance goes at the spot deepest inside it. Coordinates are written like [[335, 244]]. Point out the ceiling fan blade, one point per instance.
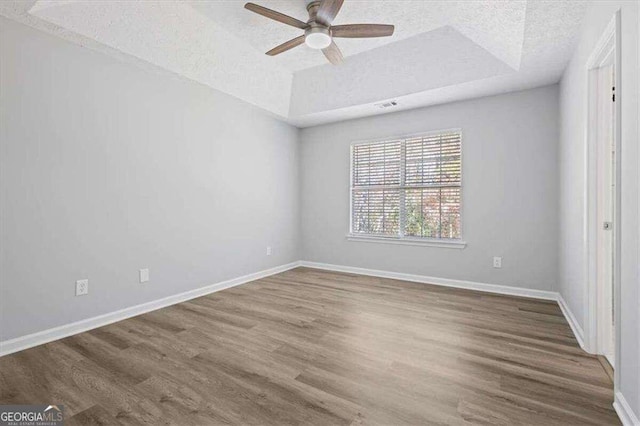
[[328, 10], [362, 30], [276, 16], [333, 54], [286, 46]]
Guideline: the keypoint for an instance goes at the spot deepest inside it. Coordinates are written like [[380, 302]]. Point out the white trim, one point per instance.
[[571, 319], [626, 414], [445, 282], [605, 44], [617, 266], [45, 336], [408, 136], [429, 242]]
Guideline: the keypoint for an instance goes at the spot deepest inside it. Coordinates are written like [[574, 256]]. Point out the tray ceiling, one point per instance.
[[441, 50]]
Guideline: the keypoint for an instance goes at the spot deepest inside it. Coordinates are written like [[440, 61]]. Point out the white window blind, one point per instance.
[[408, 188]]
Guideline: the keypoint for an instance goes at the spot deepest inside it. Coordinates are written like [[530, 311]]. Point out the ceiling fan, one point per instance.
[[318, 31]]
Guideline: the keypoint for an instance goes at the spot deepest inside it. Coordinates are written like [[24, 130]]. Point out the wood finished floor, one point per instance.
[[323, 348]]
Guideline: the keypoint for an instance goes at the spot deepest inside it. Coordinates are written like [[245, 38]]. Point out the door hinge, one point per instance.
[[613, 96]]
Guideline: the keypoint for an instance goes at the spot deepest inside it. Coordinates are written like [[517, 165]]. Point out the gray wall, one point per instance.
[[509, 191], [106, 169], [572, 280]]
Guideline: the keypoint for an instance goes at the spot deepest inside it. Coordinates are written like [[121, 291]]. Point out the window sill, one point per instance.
[[454, 244]]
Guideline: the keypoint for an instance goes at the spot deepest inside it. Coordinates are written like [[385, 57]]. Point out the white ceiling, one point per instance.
[[441, 50]]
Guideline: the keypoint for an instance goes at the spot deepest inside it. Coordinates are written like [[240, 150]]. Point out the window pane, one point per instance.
[[413, 212], [450, 226], [376, 164], [376, 211], [433, 160], [432, 213]]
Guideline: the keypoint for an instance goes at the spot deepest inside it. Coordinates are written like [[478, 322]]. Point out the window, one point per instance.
[[407, 188]]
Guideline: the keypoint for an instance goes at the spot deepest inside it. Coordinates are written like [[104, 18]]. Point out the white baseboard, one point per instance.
[[626, 414], [470, 285], [573, 323], [41, 337], [447, 282]]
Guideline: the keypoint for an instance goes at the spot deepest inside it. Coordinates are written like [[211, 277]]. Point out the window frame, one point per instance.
[[402, 239]]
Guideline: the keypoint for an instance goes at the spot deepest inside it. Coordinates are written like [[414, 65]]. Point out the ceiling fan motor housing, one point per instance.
[[312, 9]]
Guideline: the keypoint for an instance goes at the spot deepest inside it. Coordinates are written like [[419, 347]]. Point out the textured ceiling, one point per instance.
[[548, 38], [174, 36], [496, 26], [441, 50], [438, 58]]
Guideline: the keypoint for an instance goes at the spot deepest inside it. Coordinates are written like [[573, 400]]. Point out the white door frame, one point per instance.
[[610, 40]]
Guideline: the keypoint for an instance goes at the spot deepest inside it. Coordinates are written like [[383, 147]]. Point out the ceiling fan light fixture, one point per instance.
[[319, 30], [317, 38]]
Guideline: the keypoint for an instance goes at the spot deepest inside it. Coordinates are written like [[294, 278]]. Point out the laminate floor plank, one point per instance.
[[314, 347]]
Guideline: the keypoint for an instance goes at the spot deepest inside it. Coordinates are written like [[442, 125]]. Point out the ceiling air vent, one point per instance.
[[388, 104]]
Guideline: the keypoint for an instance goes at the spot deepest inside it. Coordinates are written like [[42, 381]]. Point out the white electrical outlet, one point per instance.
[[497, 262], [82, 287], [144, 275], [268, 250]]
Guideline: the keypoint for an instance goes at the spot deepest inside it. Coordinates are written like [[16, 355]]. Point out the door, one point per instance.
[[606, 147]]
